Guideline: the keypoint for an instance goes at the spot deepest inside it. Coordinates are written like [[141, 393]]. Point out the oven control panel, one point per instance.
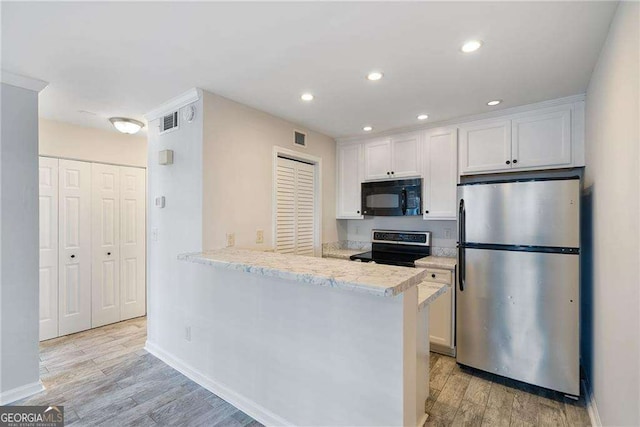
[[422, 238]]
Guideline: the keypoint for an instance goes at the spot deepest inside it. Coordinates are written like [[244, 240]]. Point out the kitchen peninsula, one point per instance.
[[295, 340]]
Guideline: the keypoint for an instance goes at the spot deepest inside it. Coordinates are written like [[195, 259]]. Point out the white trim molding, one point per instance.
[[24, 82], [592, 409], [246, 405], [466, 119], [21, 392], [186, 98]]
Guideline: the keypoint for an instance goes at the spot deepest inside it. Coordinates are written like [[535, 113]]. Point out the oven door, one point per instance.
[[391, 198]]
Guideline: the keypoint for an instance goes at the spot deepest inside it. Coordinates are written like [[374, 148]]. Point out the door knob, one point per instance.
[[73, 256], [108, 253], [515, 161], [388, 173], [508, 162], [433, 275]]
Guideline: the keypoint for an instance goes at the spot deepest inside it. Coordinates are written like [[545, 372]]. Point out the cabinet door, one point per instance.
[[377, 159], [485, 146], [405, 152], [440, 161], [74, 268], [48, 185], [132, 243], [441, 319], [542, 139], [105, 242], [349, 179]]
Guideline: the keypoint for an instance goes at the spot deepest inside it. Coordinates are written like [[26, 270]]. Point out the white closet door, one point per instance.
[[305, 214], [48, 183], [105, 244], [132, 243], [295, 201], [74, 275]]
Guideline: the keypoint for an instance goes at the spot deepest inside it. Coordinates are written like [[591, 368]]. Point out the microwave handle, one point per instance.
[[404, 201]]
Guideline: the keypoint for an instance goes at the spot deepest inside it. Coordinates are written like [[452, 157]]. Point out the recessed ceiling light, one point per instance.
[[471, 46], [367, 128], [494, 102], [423, 117], [375, 75], [306, 97], [126, 125]]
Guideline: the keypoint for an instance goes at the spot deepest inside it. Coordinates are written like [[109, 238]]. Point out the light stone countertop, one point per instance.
[[376, 279], [340, 253], [428, 292], [447, 263]]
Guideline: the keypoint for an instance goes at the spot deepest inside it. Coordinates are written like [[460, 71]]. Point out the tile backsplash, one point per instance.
[[359, 230]]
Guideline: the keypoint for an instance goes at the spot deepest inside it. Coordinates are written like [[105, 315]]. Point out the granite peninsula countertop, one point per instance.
[[376, 279], [428, 292]]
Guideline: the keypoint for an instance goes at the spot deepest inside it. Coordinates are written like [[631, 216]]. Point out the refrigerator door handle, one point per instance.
[[461, 240]]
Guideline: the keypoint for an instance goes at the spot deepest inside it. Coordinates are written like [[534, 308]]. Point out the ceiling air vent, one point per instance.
[[169, 122], [299, 139]]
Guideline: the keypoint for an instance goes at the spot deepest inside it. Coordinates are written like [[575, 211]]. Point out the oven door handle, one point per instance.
[[404, 201]]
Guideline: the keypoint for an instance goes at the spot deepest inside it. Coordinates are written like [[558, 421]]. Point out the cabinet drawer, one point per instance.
[[437, 275]]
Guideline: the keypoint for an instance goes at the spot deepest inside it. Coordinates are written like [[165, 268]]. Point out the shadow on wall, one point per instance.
[[586, 281]]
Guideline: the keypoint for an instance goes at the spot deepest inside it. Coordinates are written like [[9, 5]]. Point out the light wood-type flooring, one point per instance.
[[464, 396], [104, 377]]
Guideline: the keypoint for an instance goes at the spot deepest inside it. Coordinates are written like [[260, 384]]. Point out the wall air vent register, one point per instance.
[[169, 122]]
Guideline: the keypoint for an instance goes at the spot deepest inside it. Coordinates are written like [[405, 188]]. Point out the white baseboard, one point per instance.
[[18, 393], [592, 409], [248, 406]]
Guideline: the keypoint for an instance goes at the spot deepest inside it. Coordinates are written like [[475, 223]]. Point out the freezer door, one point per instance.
[[518, 317], [533, 213]]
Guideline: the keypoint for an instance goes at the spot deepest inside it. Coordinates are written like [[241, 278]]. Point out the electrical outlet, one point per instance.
[[231, 239], [154, 234], [447, 233], [187, 333], [260, 236]]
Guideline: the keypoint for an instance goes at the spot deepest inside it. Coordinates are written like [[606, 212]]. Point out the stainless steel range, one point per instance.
[[401, 248]]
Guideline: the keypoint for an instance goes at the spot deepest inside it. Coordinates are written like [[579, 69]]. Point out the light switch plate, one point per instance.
[[231, 239], [165, 157], [160, 202], [260, 236]]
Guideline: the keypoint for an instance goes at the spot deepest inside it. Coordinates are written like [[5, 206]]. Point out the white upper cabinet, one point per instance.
[[395, 157], [440, 172], [485, 146], [405, 159], [377, 159], [542, 139], [350, 165]]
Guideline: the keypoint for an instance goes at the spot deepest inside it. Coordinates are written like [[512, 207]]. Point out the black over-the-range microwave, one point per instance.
[[392, 198]]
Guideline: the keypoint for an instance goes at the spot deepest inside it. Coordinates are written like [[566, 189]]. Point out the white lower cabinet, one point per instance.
[[442, 314], [92, 222]]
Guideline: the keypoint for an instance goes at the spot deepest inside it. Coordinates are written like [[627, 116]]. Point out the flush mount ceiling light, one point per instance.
[[126, 125], [374, 75], [367, 128], [306, 97], [471, 46], [423, 117], [494, 102]]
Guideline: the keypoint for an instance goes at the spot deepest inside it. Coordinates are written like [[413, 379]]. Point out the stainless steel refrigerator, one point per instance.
[[517, 296]]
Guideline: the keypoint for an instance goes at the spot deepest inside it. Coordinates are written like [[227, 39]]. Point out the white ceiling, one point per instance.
[[124, 59]]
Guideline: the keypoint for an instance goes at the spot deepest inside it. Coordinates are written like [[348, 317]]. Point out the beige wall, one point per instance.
[[612, 184], [58, 139], [238, 170]]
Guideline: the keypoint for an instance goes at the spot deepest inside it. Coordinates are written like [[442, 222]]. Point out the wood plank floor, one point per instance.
[[464, 396], [104, 377]]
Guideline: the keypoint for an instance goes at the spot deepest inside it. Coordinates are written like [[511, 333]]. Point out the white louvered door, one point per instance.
[[295, 209], [48, 186], [105, 242], [74, 268], [132, 243]]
